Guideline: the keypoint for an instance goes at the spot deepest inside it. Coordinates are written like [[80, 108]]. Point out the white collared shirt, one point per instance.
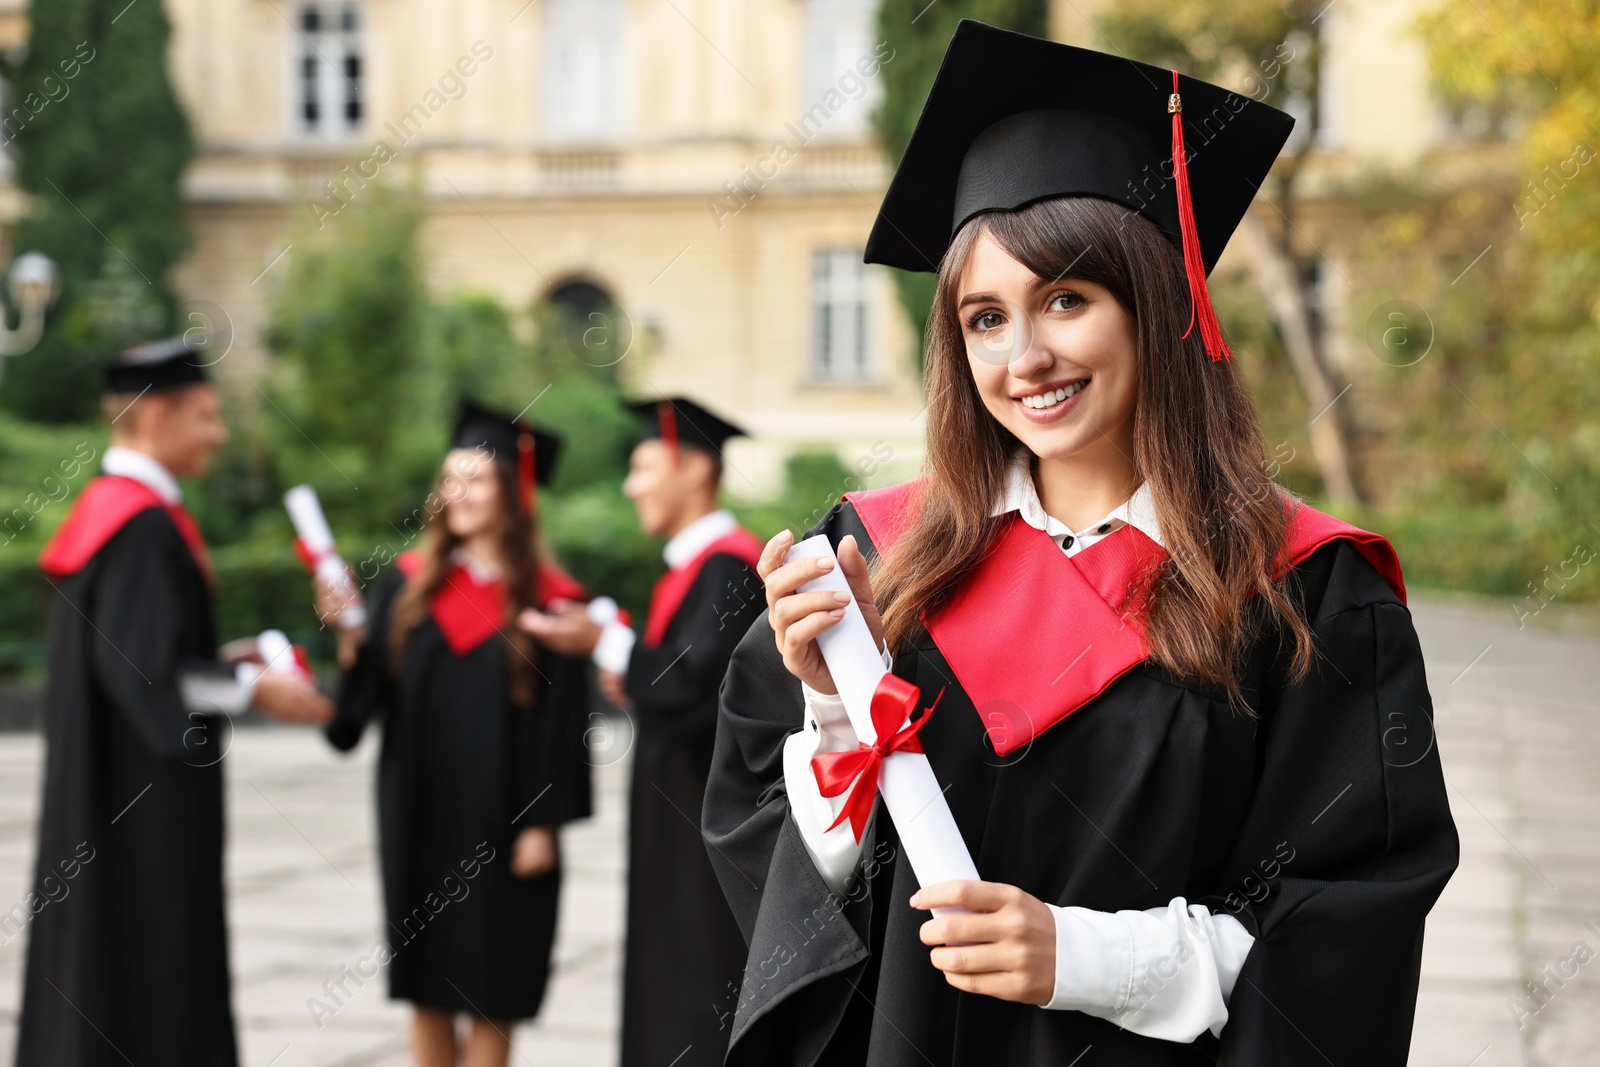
[[1104, 960], [127, 463], [1138, 511], [481, 572], [696, 537], [615, 647]]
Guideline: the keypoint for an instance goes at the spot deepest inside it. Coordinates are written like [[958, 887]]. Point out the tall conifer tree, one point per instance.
[[100, 143]]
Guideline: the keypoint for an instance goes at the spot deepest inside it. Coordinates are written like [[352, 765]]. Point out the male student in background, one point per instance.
[[684, 953], [133, 965]]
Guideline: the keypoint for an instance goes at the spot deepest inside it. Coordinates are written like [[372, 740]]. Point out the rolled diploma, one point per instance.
[[277, 653], [311, 526], [927, 830]]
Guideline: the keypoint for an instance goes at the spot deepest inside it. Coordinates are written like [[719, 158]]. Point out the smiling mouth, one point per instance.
[[1053, 397]]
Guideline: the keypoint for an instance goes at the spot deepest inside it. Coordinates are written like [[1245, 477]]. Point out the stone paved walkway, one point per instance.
[[1518, 724]]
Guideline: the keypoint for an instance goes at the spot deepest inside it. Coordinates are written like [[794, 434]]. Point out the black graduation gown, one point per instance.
[[129, 962], [684, 950], [1324, 827], [462, 771]]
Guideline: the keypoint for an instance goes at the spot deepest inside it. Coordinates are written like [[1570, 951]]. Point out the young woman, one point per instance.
[[482, 757], [1182, 721]]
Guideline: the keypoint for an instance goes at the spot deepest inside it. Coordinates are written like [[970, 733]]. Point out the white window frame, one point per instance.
[[841, 293], [324, 56], [583, 73], [838, 35]]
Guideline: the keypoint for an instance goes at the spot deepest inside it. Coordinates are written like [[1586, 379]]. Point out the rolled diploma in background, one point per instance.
[[927, 830], [276, 653], [311, 526]]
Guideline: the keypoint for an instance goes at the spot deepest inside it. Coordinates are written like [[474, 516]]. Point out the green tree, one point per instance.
[[919, 32], [1271, 51], [1527, 313], [101, 143], [344, 325]]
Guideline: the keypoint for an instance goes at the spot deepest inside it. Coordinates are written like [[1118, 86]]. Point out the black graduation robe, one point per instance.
[[462, 772], [684, 951], [128, 957], [1323, 826]]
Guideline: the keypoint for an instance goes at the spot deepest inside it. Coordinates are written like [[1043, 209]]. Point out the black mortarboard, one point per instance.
[[533, 450], [1012, 119], [677, 420], [156, 365]]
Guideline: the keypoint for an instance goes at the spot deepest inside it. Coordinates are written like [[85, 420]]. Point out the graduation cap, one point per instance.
[[163, 364], [534, 450], [680, 421], [1013, 119]]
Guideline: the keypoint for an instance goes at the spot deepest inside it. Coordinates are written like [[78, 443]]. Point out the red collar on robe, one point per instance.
[[674, 585], [1025, 587], [468, 611], [107, 504]]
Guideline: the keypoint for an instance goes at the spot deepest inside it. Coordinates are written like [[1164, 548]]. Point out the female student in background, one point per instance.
[[1182, 721], [482, 760]]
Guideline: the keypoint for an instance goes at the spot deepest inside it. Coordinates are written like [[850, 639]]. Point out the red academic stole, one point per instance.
[[468, 612], [104, 507], [1027, 595], [674, 585]]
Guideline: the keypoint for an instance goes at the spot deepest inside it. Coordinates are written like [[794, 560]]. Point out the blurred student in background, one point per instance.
[[482, 758], [685, 954], [134, 967]]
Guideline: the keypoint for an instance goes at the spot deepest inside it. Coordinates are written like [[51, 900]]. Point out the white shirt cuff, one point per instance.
[[217, 694], [1165, 973], [615, 647], [826, 729], [247, 674]]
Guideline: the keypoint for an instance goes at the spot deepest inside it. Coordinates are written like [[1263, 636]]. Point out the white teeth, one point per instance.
[[1054, 397]]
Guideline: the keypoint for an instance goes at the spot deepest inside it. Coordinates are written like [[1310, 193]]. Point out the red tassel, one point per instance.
[[667, 415], [525, 469], [1194, 262], [304, 554]]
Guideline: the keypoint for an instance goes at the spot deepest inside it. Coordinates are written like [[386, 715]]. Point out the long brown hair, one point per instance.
[[1196, 441], [520, 557]]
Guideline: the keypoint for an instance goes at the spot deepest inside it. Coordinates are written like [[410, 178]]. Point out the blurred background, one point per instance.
[[367, 207]]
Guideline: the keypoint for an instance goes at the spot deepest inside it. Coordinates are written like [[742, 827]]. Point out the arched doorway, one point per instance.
[[580, 297], [596, 330]]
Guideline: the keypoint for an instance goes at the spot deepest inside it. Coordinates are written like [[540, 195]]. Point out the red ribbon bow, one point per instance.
[[892, 704], [308, 555]]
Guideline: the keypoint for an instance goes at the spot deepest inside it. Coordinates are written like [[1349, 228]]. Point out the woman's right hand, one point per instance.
[[330, 601], [797, 618]]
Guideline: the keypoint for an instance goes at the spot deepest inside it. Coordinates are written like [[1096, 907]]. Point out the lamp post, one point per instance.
[[34, 282]]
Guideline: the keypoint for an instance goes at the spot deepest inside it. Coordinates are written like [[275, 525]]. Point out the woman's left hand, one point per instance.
[[615, 689], [1010, 940], [534, 852]]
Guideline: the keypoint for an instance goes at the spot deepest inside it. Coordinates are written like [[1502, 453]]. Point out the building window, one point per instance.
[[329, 71], [584, 73], [839, 319], [840, 45]]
